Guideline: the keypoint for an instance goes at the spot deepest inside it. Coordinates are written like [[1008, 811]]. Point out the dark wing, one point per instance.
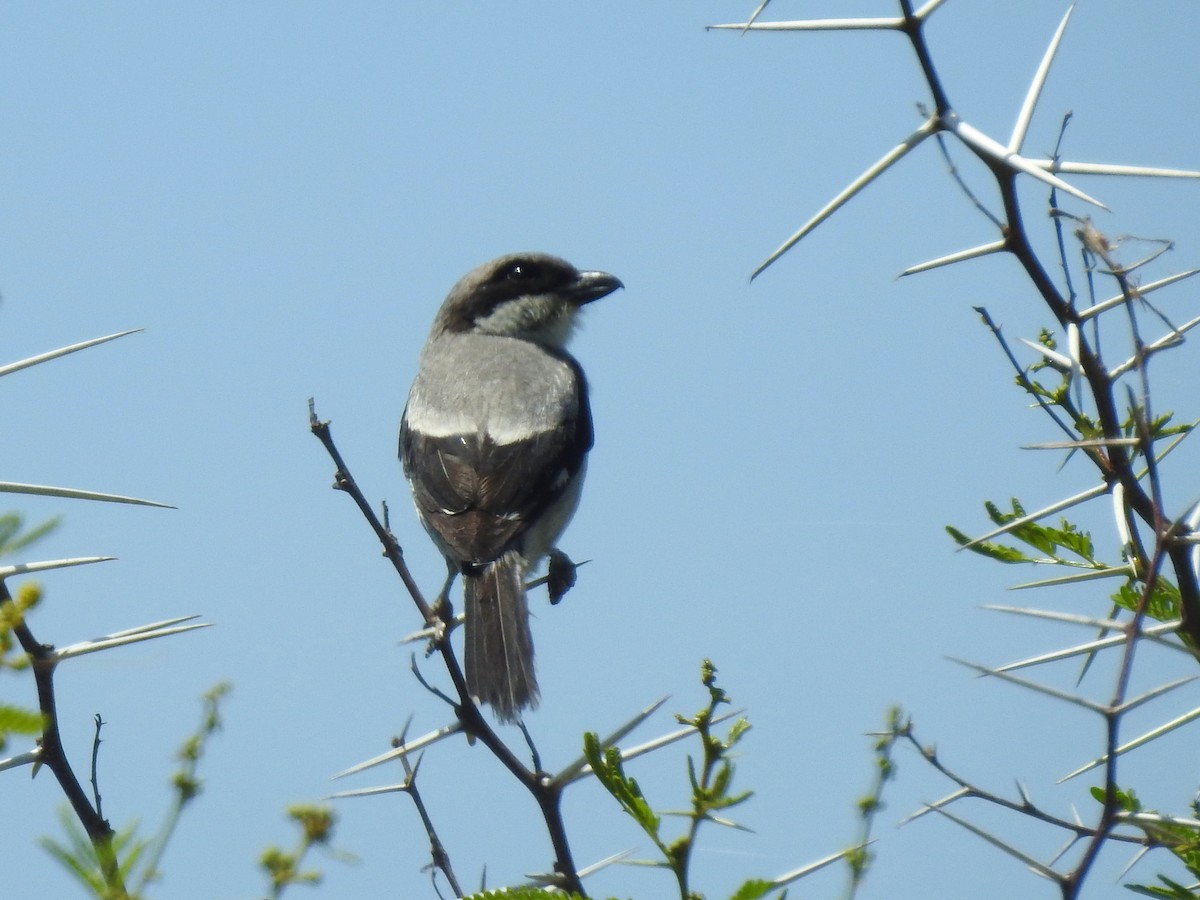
[[479, 497]]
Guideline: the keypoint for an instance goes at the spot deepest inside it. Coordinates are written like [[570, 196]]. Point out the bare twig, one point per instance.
[[54, 755], [547, 793], [95, 761]]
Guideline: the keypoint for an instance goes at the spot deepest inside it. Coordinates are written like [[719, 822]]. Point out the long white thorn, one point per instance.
[[1193, 522], [796, 874], [990, 147], [1082, 168], [885, 162], [757, 12], [1137, 857], [928, 9], [1137, 742], [1120, 517], [1035, 89], [1012, 851], [572, 771], [961, 255], [29, 568], [935, 805], [404, 749], [1082, 497], [29, 757], [1154, 693], [62, 351], [1077, 650], [1124, 571], [370, 792], [1075, 699], [893, 23], [1120, 299], [42, 490], [1084, 444], [616, 857], [1066, 618], [1060, 360], [132, 636], [1167, 340]]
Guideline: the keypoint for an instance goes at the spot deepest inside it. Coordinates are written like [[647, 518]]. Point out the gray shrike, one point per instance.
[[494, 442]]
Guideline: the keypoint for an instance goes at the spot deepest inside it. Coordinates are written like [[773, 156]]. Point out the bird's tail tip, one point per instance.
[[499, 645]]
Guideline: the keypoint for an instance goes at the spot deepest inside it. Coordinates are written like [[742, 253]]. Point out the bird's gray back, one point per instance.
[[505, 388]]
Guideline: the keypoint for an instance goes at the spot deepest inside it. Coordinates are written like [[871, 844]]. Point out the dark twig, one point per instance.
[[343, 481], [1058, 229], [1022, 376], [545, 791], [416, 670], [956, 174], [1024, 806], [914, 28], [54, 755], [439, 858], [95, 759]]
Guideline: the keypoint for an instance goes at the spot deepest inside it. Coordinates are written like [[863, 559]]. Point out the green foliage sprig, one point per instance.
[[134, 861], [285, 868], [711, 782]]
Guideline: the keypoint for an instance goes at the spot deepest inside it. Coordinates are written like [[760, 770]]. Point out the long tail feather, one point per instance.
[[499, 646]]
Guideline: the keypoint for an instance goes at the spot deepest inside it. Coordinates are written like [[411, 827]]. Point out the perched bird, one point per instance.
[[494, 441]]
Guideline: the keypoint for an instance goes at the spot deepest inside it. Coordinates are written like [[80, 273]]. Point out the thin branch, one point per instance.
[[545, 792], [95, 761], [54, 755]]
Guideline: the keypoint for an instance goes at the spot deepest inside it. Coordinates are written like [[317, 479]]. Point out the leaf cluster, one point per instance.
[[127, 864], [1181, 837], [1063, 545], [710, 778], [285, 868]]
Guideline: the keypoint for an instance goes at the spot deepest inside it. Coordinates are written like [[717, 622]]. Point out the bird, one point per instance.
[[494, 441]]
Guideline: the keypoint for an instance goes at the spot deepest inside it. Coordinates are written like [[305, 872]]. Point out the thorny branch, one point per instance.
[[1113, 454], [547, 792], [1115, 465], [53, 755]]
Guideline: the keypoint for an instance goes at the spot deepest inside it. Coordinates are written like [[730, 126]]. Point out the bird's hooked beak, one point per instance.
[[589, 286]]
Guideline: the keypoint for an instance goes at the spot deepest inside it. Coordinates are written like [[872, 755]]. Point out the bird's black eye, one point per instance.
[[523, 272]]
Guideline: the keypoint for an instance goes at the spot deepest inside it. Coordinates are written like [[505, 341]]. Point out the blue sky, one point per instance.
[[281, 194]]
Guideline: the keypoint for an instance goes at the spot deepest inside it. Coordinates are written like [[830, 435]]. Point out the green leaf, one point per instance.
[[11, 540], [1126, 800], [1163, 604], [736, 731], [1078, 542], [14, 720], [998, 516], [732, 800], [720, 782], [77, 855], [1173, 890], [754, 889], [998, 552], [1046, 539], [610, 772]]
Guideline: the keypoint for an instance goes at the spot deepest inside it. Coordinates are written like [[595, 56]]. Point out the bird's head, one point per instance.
[[530, 296]]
